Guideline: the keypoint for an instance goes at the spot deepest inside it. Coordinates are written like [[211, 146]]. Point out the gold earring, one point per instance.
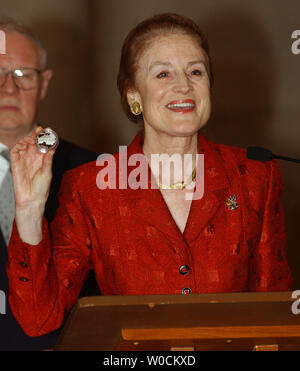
[[136, 108]]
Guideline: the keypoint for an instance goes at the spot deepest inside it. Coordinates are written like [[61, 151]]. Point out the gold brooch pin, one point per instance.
[[231, 203]]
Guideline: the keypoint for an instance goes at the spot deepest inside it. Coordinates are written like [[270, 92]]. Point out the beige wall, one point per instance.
[[257, 89], [64, 28]]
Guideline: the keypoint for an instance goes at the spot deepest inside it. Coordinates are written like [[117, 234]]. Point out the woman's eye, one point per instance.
[[197, 72], [162, 75]]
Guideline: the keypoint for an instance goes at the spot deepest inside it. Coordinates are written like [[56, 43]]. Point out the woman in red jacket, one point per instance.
[[142, 239]]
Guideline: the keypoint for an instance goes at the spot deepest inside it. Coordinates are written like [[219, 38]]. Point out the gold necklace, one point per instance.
[[178, 185]]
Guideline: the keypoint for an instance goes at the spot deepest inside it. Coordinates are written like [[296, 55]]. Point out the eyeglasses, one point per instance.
[[24, 78]]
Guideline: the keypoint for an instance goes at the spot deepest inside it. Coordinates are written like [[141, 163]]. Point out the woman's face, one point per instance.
[[172, 84]]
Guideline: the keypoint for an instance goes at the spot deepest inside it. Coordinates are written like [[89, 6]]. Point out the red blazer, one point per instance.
[[135, 247]]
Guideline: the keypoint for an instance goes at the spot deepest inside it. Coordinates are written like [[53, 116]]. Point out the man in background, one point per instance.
[[24, 80]]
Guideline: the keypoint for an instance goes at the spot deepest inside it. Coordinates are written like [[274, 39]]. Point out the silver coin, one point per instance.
[[46, 140]]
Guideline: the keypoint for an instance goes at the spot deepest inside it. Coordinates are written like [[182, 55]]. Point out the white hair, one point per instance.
[[10, 25]]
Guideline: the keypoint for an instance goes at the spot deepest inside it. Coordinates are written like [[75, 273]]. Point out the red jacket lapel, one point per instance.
[[153, 211], [216, 184]]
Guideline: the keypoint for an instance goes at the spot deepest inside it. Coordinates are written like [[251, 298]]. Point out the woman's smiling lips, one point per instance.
[[182, 105], [8, 107]]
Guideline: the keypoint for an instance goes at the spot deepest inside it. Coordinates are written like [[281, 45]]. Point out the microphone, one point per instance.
[[263, 154]]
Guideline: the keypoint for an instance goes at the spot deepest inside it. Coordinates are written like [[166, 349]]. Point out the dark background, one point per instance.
[[257, 78]]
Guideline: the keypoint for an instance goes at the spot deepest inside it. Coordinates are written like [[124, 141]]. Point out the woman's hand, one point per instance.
[[32, 174]]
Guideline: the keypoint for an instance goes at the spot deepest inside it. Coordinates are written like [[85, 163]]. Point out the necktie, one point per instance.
[[7, 202]]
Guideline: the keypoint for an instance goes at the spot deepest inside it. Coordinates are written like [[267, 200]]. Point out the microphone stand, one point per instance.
[[263, 154], [287, 158]]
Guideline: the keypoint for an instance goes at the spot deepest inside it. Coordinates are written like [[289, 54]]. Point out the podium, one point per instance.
[[231, 321]]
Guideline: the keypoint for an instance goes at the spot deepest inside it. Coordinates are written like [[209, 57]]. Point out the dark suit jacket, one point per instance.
[[12, 337]]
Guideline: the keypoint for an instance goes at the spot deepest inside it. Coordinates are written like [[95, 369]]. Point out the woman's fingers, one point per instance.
[[35, 132], [26, 142], [31, 170], [27, 149], [48, 158], [19, 147], [22, 144]]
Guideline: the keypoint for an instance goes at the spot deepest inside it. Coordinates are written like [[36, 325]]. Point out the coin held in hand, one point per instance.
[[46, 140]]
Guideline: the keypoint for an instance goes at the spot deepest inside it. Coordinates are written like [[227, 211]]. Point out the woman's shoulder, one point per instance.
[[83, 172], [80, 179], [237, 157], [84, 177]]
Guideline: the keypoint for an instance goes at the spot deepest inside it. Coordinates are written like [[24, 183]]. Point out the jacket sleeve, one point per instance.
[[269, 270], [44, 282]]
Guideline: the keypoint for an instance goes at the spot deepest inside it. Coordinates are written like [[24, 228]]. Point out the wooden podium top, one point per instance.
[[232, 321]]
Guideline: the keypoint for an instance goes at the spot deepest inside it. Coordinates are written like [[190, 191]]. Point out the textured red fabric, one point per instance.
[[136, 248]]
